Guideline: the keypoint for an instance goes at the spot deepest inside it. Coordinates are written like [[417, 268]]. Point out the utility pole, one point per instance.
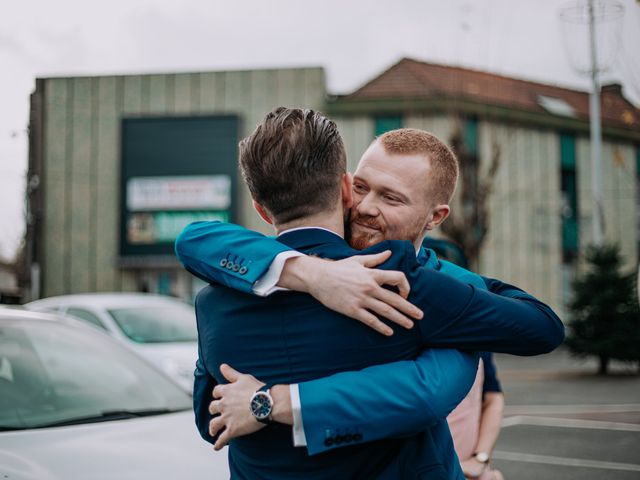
[[601, 22], [596, 135]]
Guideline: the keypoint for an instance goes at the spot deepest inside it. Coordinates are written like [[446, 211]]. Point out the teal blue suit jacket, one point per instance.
[[417, 395], [290, 338]]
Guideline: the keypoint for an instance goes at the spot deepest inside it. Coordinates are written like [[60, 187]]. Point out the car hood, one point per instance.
[[163, 446]]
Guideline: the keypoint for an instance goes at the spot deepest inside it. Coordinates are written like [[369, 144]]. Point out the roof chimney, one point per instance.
[[614, 88]]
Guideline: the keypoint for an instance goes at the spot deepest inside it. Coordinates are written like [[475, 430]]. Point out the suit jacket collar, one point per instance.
[[323, 242], [316, 240], [428, 258]]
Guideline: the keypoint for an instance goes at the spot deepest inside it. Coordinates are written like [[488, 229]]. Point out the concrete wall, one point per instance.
[[524, 243], [619, 196]]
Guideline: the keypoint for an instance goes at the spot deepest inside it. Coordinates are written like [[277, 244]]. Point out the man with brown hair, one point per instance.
[[288, 338], [277, 166]]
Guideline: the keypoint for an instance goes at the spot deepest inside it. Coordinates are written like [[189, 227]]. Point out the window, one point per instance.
[[556, 106], [52, 372], [167, 323], [471, 136], [385, 123], [569, 186], [86, 316]]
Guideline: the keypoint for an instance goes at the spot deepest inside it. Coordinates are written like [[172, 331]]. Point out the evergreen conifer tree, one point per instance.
[[605, 313]]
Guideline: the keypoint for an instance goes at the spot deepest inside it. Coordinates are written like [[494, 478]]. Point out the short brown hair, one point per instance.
[[444, 164], [293, 163]]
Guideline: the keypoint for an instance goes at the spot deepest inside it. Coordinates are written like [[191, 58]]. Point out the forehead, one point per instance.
[[381, 169]]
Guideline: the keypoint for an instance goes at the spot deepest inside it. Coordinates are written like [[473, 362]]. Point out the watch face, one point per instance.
[[261, 405]]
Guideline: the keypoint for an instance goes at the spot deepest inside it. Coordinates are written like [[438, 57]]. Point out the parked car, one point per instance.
[[74, 403], [161, 329]]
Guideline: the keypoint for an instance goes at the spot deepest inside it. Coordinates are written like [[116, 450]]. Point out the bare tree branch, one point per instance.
[[468, 225]]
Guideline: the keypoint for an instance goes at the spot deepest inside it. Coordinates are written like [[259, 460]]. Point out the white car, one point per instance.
[[161, 329], [76, 404]]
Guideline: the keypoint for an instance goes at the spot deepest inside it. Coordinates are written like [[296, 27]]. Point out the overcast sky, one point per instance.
[[354, 40]]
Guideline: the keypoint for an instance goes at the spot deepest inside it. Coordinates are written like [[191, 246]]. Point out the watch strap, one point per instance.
[[266, 387]]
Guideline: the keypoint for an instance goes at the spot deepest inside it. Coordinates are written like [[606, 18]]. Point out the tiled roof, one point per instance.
[[414, 79]]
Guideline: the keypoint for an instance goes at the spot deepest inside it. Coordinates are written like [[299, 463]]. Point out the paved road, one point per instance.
[[564, 422]]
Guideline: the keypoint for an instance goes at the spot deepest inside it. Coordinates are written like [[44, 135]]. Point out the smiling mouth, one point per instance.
[[367, 227]]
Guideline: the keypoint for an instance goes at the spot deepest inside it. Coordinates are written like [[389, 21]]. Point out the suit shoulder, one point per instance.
[[403, 254], [211, 294], [204, 295], [462, 274]]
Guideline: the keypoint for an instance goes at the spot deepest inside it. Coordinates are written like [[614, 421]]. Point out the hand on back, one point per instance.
[[353, 287]]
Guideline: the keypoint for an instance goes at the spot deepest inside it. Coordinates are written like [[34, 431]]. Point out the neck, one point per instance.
[[333, 221], [417, 243]]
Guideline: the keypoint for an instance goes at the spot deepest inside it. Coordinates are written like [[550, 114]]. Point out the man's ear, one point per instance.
[[262, 212], [346, 187], [438, 215]]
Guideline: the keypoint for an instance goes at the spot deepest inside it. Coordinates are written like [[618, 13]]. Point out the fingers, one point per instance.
[[229, 373], [399, 304], [384, 310], [215, 425], [372, 321], [372, 260], [215, 407], [395, 279], [222, 441], [218, 391]]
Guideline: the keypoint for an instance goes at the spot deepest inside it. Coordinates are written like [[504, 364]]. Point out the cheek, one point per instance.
[[401, 223], [392, 218], [358, 197]]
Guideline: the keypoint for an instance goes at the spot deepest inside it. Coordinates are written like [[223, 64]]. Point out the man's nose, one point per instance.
[[367, 207]]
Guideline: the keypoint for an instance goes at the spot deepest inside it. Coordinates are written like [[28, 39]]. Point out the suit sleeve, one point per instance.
[[504, 319], [226, 254], [203, 385], [394, 399], [491, 382]]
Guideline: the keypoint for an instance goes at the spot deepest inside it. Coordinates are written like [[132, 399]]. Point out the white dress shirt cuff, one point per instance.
[[266, 284], [299, 438]]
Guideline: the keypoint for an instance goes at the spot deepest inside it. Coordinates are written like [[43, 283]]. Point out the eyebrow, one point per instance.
[[384, 190], [401, 196]]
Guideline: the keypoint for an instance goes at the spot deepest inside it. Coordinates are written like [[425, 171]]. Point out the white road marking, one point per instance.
[[566, 462], [569, 423], [525, 415], [570, 409]]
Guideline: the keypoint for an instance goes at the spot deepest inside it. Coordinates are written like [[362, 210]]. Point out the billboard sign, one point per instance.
[[175, 171], [200, 192]]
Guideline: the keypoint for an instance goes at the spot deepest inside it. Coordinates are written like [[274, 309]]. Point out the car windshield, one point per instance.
[[157, 324], [56, 373]]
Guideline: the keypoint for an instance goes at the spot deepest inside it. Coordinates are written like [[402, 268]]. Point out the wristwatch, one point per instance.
[[261, 404], [482, 457]]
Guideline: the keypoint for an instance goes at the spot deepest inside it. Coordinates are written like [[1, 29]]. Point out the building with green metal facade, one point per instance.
[[92, 151]]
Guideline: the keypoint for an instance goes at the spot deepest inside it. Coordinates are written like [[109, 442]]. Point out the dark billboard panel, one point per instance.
[[175, 170]]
